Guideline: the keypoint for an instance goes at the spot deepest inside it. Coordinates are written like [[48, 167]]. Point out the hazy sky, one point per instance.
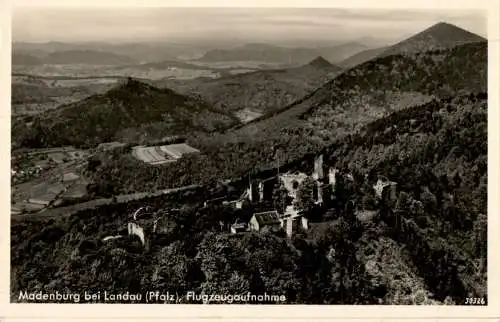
[[265, 24]]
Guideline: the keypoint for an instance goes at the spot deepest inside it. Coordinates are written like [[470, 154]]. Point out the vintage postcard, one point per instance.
[[286, 158]]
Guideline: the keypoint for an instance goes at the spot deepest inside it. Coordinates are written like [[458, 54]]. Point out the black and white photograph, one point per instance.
[[229, 155]]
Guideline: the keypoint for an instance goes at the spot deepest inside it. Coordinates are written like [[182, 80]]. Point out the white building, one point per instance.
[[265, 219]]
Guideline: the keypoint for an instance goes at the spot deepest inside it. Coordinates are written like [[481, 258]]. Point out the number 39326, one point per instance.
[[475, 301]]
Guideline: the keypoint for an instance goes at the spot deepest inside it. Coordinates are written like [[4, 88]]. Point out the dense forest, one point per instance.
[[418, 120], [438, 155], [320, 267], [429, 246]]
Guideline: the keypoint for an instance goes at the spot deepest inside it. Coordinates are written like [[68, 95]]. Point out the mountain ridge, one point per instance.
[[320, 62], [86, 57], [74, 56], [440, 35]]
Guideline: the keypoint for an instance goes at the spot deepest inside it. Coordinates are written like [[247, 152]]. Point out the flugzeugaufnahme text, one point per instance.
[[148, 297], [234, 298]]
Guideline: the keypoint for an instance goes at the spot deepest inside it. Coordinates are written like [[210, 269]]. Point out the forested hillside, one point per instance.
[[386, 84], [343, 106], [428, 247], [130, 107], [437, 153]]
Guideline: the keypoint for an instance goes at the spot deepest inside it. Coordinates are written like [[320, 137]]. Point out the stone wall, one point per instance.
[[134, 229]]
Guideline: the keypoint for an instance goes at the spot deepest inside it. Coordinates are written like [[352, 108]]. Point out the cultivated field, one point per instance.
[[162, 154], [246, 115], [47, 178]]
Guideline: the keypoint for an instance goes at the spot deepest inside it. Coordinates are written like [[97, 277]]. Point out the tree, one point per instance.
[[457, 180], [403, 204], [327, 195], [368, 201], [341, 194], [350, 212], [348, 277], [171, 269], [480, 237], [281, 199], [305, 195], [429, 201], [213, 260]]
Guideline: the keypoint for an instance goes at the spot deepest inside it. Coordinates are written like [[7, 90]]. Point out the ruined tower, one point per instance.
[[318, 173]]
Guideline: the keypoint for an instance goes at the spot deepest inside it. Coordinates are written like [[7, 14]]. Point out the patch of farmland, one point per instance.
[[247, 115], [162, 154]]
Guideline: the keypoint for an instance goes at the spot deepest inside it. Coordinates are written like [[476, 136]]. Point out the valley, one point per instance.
[[343, 174]]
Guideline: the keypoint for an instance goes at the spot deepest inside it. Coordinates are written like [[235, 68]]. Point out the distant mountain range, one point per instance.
[[441, 35], [331, 103], [258, 92], [138, 52], [91, 57], [377, 87], [171, 51], [155, 56], [276, 54]]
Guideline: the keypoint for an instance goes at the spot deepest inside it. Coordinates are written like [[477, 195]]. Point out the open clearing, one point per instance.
[[162, 154]]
